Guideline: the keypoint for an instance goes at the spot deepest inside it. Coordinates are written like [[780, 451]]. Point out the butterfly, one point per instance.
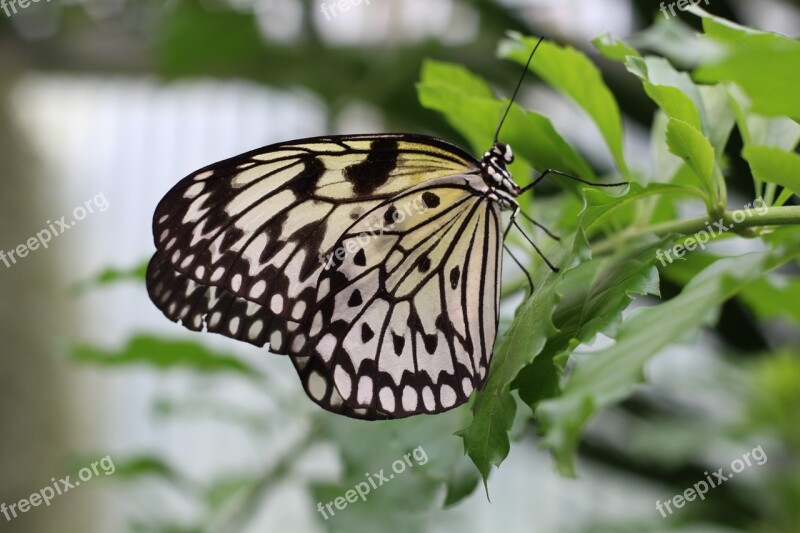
[[372, 261]]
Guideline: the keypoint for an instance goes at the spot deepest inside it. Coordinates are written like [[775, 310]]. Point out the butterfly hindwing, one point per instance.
[[200, 307], [406, 313]]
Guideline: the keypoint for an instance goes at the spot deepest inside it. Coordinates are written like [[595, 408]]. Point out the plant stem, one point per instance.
[[750, 218]]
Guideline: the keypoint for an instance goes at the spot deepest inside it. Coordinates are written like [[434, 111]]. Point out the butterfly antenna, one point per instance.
[[516, 90]]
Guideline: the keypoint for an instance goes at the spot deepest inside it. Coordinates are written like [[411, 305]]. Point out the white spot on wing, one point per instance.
[[316, 325], [276, 340], [255, 330], [298, 343], [325, 347], [324, 289], [447, 396], [343, 382], [316, 386], [364, 390], [410, 398], [258, 289], [194, 190], [276, 305], [299, 309], [466, 385], [428, 399], [386, 397]]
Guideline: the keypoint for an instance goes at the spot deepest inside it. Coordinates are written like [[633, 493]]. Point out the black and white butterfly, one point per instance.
[[373, 261]]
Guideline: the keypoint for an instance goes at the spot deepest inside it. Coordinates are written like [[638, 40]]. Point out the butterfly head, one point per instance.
[[493, 168]]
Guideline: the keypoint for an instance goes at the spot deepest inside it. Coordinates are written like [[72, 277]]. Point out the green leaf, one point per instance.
[[614, 49], [573, 73], [607, 377], [774, 299], [769, 298], [779, 132], [667, 164], [774, 165], [592, 298], [722, 29], [674, 103], [457, 77], [676, 41], [603, 206], [767, 67], [475, 115], [720, 118], [688, 143], [162, 355], [663, 80]]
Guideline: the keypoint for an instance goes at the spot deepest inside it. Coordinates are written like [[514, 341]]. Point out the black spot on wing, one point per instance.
[[375, 170], [455, 274], [389, 215], [366, 333], [305, 183], [355, 299], [399, 342], [430, 199], [360, 259], [425, 264], [430, 341]]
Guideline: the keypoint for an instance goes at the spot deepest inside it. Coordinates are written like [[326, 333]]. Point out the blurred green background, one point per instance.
[[119, 100]]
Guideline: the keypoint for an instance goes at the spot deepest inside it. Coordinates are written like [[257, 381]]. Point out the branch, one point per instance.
[[752, 218]]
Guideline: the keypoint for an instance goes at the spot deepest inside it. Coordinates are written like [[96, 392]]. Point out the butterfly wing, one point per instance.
[[406, 317], [258, 227]]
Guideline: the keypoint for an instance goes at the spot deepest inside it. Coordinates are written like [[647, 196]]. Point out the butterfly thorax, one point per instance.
[[502, 187]]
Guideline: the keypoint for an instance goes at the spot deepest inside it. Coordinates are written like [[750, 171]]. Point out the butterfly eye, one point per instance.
[[503, 150]]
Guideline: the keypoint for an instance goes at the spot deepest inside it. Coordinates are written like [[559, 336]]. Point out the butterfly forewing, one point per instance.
[[405, 319], [260, 225]]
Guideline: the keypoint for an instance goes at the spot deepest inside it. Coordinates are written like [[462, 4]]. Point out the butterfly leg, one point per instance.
[[524, 270], [538, 251], [513, 222], [540, 226]]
